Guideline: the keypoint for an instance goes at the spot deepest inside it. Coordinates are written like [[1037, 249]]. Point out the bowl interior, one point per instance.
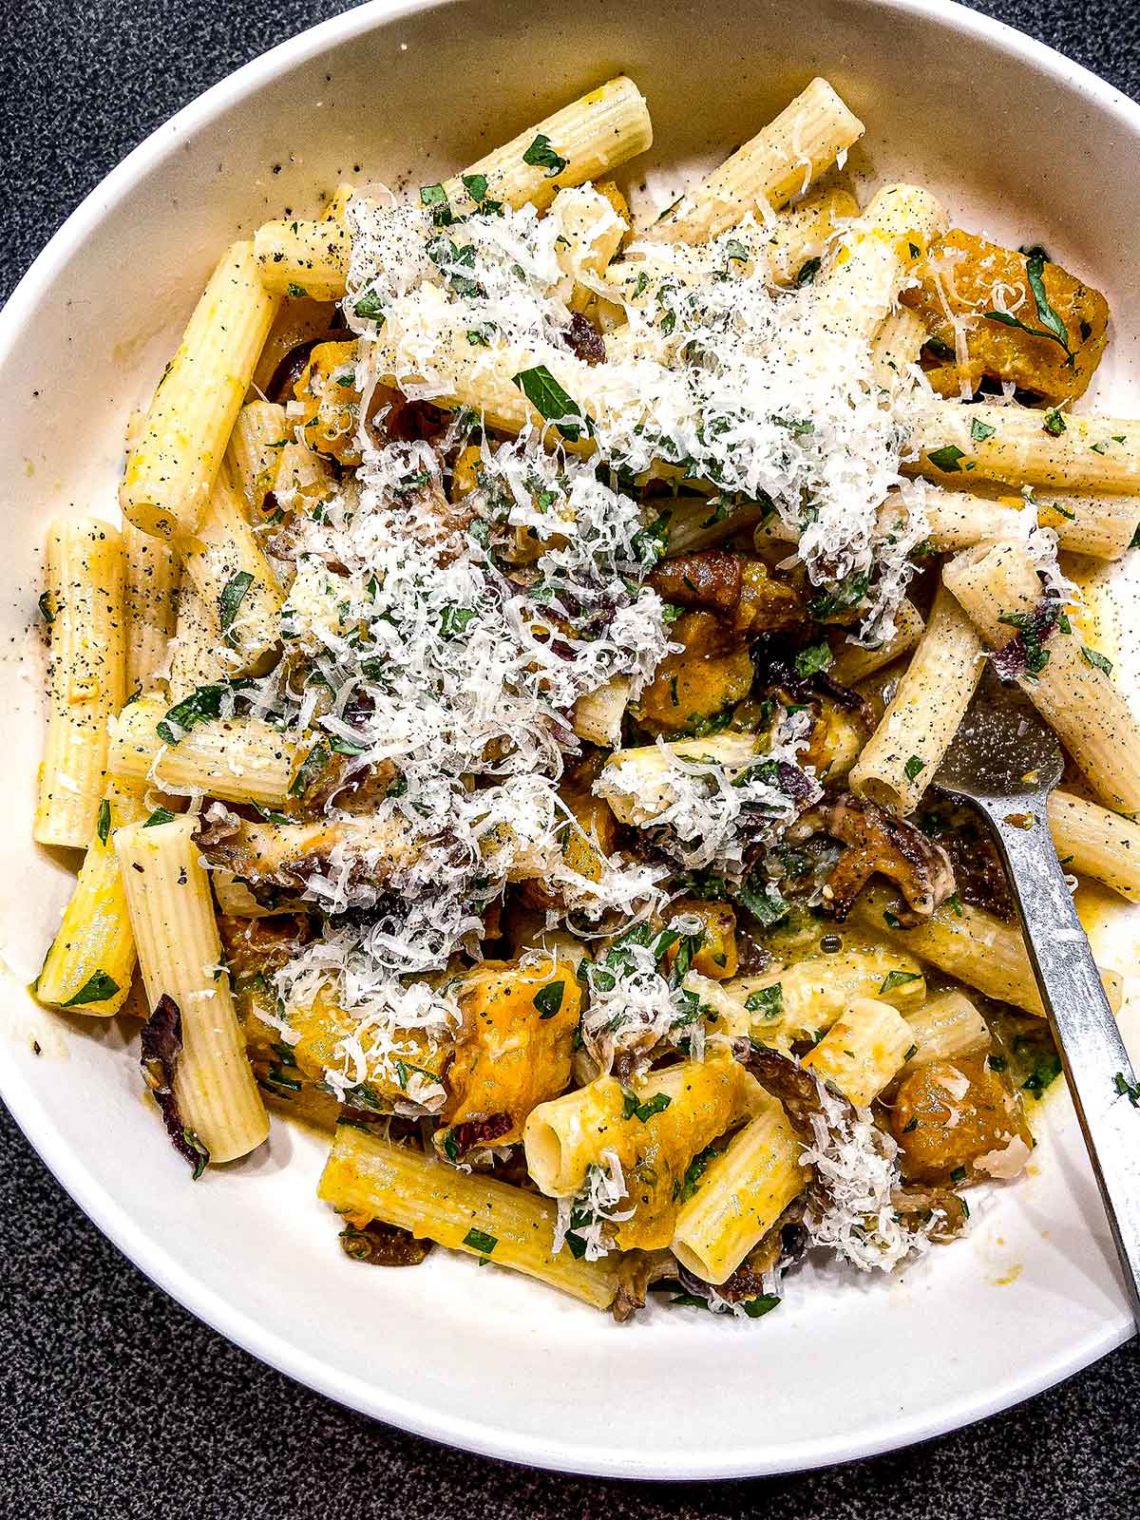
[[1019, 144]]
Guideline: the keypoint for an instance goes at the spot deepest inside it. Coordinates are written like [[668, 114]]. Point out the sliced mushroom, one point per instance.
[[743, 592], [878, 843]]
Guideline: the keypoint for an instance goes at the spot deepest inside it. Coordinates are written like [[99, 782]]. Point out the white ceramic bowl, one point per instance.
[[1019, 142]]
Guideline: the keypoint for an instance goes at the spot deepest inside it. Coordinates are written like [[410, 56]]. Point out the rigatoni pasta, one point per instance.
[[178, 451], [782, 159], [85, 607], [180, 955], [997, 585]]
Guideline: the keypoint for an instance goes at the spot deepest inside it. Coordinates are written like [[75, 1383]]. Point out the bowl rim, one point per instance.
[[115, 1220]]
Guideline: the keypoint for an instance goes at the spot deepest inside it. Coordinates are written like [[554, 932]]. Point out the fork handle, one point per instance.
[[1096, 1064]]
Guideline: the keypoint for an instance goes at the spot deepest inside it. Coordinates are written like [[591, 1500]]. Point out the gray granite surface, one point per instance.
[[114, 1401]]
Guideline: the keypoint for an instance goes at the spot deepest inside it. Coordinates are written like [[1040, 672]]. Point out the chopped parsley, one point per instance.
[[1054, 423], [895, 979], [542, 155], [369, 307], [548, 398], [766, 1000], [103, 822], [230, 600], [948, 458], [548, 999], [96, 989], [914, 767], [814, 659], [313, 764], [631, 1108], [160, 816], [479, 1241], [1097, 660], [201, 706]]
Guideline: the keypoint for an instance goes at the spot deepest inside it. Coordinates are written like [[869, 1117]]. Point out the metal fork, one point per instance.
[[1005, 761]]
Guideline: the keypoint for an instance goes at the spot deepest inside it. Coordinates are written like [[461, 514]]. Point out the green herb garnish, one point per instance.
[[895, 979], [548, 398], [548, 999], [631, 1108], [1094, 658], [947, 458], [97, 989], [479, 1241], [542, 155], [230, 600]]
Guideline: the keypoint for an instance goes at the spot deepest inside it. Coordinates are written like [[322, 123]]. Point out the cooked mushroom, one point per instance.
[[878, 843], [743, 592]]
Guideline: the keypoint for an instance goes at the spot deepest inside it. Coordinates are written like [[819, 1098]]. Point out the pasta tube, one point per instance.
[[1102, 526], [859, 284], [152, 576], [638, 785], [254, 453], [853, 664], [303, 258], [1074, 691], [922, 718], [598, 713], [197, 653], [257, 851], [231, 573], [180, 955], [92, 957], [651, 1133], [740, 1196], [583, 141], [947, 1026], [801, 1001], [370, 1176], [778, 163], [897, 346], [173, 462], [971, 945], [235, 759], [1017, 447], [694, 522], [863, 1051], [956, 519], [86, 676], [1096, 842]]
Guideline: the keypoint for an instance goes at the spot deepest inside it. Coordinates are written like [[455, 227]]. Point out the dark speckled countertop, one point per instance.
[[114, 1401]]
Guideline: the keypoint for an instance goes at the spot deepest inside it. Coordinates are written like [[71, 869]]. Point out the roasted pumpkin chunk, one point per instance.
[[513, 1049], [712, 672], [1046, 340], [716, 956], [959, 1121], [327, 391]]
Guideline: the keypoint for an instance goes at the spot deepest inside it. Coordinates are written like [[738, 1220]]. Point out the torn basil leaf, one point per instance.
[[230, 601], [548, 398], [201, 706], [96, 989], [542, 155]]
